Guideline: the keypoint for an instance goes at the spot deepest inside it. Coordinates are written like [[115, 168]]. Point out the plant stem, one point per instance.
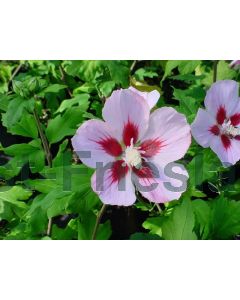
[[18, 68], [47, 154], [133, 66], [159, 208], [99, 217], [49, 228], [43, 139], [64, 80], [215, 64]]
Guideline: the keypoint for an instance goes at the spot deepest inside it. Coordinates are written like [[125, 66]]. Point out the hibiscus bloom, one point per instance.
[[218, 127], [136, 146], [235, 64]]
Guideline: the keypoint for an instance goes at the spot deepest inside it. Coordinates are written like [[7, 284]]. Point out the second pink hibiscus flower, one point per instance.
[[218, 127]]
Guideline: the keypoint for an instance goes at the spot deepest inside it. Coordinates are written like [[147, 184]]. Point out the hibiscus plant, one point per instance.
[[119, 150]]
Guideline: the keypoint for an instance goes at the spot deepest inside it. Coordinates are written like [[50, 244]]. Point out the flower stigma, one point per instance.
[[229, 129], [132, 156]]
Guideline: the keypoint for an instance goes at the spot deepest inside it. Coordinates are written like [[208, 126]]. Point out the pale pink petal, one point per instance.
[[202, 128], [114, 191], [228, 153], [163, 187], [221, 99], [94, 142], [168, 136], [127, 114], [150, 97]]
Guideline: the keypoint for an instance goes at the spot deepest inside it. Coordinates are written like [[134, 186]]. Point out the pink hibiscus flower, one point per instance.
[[218, 127], [136, 146]]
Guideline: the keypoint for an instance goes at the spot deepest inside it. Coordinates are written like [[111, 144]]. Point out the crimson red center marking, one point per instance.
[[235, 119], [226, 141], [118, 171], [145, 171], [151, 147], [214, 130], [111, 146], [221, 115], [130, 131]]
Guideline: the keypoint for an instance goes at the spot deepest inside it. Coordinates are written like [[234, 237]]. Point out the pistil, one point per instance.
[[229, 129], [132, 156]]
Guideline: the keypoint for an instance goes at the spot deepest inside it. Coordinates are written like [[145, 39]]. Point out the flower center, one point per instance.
[[132, 156], [229, 129]]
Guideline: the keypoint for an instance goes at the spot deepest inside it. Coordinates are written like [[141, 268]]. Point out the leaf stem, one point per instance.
[[47, 154], [43, 139], [98, 220], [64, 80], [159, 208], [18, 68], [49, 228], [215, 64], [133, 66]]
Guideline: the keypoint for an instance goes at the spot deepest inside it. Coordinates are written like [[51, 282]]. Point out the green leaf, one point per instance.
[[188, 77], [188, 66], [63, 157], [68, 233], [170, 65], [84, 88], [53, 88], [11, 201], [5, 75], [69, 191], [86, 226], [224, 72], [64, 125], [12, 167], [20, 149], [11, 194], [31, 152], [141, 73], [48, 200], [4, 101], [15, 110], [106, 87], [18, 88], [38, 221], [144, 206], [189, 101], [154, 225], [180, 224], [26, 127], [44, 186], [80, 100], [184, 66], [85, 70], [19, 232], [104, 231], [225, 221], [119, 72], [202, 212], [37, 161], [204, 166], [60, 206], [70, 177]]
